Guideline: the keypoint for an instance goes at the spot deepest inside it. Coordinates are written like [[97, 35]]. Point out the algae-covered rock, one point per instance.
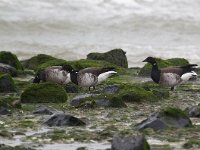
[[62, 119], [6, 83], [5, 68], [168, 117], [84, 63], [42, 61], [44, 93], [134, 142], [115, 56], [10, 59], [146, 70], [136, 93]]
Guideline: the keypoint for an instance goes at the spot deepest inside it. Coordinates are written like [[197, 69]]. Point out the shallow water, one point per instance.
[[72, 29]]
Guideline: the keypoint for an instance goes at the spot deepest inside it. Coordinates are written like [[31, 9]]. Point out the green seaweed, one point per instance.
[[173, 112]]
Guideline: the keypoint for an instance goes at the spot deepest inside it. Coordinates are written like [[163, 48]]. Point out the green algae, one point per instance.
[[44, 93], [173, 112]]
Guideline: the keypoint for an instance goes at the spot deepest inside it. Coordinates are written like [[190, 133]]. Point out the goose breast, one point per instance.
[[87, 79], [169, 79]]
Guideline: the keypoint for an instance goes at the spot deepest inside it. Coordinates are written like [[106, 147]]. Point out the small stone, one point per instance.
[[193, 111], [4, 111], [134, 142], [111, 88], [62, 119], [43, 110]]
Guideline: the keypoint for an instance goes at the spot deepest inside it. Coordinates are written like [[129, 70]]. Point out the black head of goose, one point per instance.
[[90, 77], [56, 74], [171, 76]]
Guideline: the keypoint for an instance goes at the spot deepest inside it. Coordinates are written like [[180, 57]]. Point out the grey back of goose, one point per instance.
[[55, 74], [89, 77]]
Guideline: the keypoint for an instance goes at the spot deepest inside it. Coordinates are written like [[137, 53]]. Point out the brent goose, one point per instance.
[[171, 76], [90, 77], [56, 74]]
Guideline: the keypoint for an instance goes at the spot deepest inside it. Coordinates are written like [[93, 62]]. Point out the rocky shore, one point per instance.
[[127, 111]]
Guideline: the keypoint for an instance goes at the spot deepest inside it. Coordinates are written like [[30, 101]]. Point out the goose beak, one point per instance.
[[144, 60]]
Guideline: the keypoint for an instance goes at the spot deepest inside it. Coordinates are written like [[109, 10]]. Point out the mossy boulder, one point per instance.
[[146, 70], [44, 93], [115, 56], [10, 59], [167, 117], [41, 61], [6, 84]]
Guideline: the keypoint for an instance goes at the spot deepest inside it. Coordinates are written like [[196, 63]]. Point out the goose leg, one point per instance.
[[89, 88], [93, 87], [172, 88]]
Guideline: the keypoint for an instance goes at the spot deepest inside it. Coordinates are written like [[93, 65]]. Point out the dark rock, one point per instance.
[[6, 83], [71, 88], [8, 69], [4, 111], [62, 119], [7, 147], [10, 59], [193, 111], [44, 110], [115, 56], [93, 100], [134, 142], [169, 117], [103, 102], [78, 100], [111, 88], [45, 92]]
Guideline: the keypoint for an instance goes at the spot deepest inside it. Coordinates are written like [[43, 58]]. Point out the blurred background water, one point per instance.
[[72, 29]]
